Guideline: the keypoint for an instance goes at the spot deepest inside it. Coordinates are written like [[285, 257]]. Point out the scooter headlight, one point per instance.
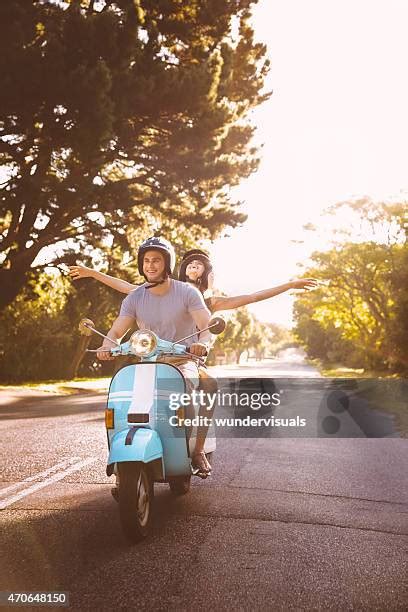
[[143, 343]]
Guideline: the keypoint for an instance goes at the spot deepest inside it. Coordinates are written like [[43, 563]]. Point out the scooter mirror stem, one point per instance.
[[100, 334], [213, 323]]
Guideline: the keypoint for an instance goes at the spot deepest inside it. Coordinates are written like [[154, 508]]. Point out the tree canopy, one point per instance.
[[359, 317], [115, 110]]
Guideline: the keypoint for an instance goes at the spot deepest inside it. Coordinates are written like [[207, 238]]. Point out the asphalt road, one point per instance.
[[295, 523]]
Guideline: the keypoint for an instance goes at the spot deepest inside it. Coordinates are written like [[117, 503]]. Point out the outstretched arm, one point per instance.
[[228, 303], [77, 272]]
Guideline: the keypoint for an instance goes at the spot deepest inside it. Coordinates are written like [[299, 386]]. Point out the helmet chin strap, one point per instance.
[[157, 283]]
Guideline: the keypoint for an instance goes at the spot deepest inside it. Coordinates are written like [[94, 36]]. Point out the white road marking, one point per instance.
[[45, 483], [50, 470]]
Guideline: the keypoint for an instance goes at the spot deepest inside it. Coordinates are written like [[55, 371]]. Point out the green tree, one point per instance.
[[278, 338], [398, 339], [359, 316], [39, 332], [243, 333], [119, 109]]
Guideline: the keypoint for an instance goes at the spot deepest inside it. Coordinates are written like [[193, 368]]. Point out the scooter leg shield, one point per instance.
[[135, 444]]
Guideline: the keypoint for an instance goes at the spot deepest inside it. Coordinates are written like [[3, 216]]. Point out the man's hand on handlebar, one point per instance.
[[199, 349], [103, 353]]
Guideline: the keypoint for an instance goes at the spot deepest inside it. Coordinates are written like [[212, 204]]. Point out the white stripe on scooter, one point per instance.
[[45, 483], [144, 383], [50, 470]]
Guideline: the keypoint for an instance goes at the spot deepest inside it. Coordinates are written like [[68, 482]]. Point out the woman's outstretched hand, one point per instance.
[[305, 283], [77, 272]]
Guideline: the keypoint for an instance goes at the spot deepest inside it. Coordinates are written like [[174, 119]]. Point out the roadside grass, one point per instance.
[[342, 372], [339, 371], [63, 387], [389, 395]]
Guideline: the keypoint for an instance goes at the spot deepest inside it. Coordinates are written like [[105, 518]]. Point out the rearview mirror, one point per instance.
[[216, 325], [84, 326]]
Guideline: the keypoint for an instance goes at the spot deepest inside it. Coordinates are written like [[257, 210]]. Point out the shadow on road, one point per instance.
[[23, 407], [63, 550]]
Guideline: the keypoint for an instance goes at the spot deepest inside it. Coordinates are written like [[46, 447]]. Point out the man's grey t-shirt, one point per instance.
[[166, 315]]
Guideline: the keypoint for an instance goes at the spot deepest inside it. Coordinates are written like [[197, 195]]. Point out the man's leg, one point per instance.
[[208, 384], [192, 376], [190, 371]]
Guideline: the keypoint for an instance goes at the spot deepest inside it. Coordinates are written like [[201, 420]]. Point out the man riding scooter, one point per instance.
[[171, 309]]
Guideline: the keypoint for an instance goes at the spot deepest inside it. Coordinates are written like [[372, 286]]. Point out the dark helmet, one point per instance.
[[157, 244], [196, 254]]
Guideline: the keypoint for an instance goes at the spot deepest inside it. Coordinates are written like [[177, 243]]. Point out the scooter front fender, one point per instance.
[[135, 444]]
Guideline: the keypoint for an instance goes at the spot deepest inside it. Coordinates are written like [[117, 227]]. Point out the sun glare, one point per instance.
[[334, 129]]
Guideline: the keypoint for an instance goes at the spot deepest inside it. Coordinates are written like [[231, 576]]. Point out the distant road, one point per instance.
[[289, 363]]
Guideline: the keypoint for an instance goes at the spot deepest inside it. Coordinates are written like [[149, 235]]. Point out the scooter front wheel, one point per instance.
[[135, 500]]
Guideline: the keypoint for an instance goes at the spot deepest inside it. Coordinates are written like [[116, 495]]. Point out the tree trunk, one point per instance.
[[78, 357], [14, 276], [11, 283]]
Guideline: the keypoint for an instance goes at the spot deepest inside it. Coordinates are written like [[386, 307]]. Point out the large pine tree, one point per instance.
[[122, 108]]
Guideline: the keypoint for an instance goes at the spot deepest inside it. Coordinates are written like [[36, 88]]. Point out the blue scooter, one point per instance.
[[147, 439]]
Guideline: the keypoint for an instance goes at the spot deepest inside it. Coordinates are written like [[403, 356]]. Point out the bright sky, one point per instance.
[[335, 127]]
